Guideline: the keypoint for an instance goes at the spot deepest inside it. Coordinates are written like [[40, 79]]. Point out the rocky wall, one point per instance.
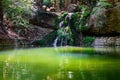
[[107, 41]]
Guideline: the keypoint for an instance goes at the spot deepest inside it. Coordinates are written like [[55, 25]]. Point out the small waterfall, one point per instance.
[[63, 39], [60, 24], [70, 15], [55, 42]]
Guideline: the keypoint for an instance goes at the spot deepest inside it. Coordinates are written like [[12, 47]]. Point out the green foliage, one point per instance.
[[5, 3], [46, 2], [75, 21], [98, 16], [15, 10], [79, 20], [65, 23], [15, 14], [87, 41], [66, 34], [60, 18], [63, 15], [104, 4], [85, 12]]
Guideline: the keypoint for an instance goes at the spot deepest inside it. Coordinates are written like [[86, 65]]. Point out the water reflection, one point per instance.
[[63, 72], [21, 65], [16, 70], [108, 50], [14, 47]]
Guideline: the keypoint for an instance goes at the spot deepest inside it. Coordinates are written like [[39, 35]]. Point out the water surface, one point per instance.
[[67, 63]]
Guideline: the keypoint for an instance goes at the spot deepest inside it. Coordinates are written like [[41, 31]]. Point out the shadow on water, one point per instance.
[[63, 63], [14, 47]]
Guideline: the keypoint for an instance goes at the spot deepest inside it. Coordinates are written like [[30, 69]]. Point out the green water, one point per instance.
[[66, 63]]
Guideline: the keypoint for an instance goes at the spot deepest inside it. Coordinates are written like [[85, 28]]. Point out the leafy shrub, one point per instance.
[[85, 13], [87, 41], [75, 21], [15, 10], [104, 4], [79, 19], [60, 18], [65, 34], [46, 2]]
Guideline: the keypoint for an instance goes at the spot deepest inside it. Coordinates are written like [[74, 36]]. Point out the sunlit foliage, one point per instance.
[[16, 9]]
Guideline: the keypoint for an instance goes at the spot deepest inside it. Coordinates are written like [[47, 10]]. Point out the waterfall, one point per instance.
[[63, 39], [60, 24], [70, 15], [55, 42]]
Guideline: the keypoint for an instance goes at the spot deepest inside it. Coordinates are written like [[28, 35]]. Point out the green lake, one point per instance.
[[63, 63]]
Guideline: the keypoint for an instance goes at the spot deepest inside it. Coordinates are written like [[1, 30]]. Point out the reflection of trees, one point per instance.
[[85, 70], [67, 69], [16, 70], [63, 72], [105, 50], [17, 67]]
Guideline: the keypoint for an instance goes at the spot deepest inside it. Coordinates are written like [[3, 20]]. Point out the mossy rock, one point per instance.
[[107, 23], [113, 20], [47, 40]]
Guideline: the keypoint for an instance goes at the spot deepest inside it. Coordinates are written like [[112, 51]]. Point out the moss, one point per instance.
[[75, 21], [65, 34], [99, 14], [46, 2], [78, 24], [99, 17], [65, 23], [79, 20], [60, 18], [85, 13]]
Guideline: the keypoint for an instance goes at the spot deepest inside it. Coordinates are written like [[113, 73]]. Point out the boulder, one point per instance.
[[113, 19], [44, 19], [105, 20], [72, 8]]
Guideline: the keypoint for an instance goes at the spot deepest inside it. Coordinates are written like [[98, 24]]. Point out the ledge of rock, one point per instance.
[[44, 19], [107, 41]]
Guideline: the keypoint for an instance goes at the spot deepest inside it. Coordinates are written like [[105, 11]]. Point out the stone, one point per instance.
[[72, 8], [44, 19], [107, 41], [113, 19], [110, 24]]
